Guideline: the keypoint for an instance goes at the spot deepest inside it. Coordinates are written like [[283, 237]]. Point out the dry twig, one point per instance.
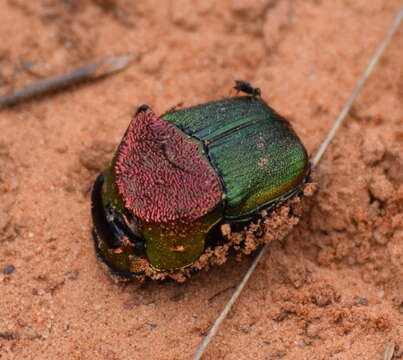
[[389, 351], [56, 83]]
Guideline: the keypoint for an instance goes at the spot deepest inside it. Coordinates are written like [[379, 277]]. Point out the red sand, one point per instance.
[[331, 290]]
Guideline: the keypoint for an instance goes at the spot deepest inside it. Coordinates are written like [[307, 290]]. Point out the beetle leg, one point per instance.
[[110, 225]]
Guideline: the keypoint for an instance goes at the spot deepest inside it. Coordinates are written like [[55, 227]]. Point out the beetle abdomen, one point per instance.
[[255, 151]]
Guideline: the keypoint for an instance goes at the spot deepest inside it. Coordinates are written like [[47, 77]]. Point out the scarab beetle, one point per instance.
[[176, 178]]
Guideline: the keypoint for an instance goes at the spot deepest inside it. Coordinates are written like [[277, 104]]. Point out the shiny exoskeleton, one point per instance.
[[174, 179]]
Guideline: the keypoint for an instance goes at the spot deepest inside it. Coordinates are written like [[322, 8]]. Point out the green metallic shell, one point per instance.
[[255, 151]]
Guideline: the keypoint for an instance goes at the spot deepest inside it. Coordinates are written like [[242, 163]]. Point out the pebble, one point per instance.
[[72, 275], [9, 269], [360, 300]]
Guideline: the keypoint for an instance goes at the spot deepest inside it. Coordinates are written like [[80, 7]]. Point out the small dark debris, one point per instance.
[[151, 325], [278, 355], [72, 275], [9, 335], [266, 342], [360, 300], [282, 316], [324, 297], [246, 330], [70, 188], [35, 292], [9, 269]]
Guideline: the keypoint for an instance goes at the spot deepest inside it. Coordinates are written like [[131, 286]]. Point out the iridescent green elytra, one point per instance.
[[153, 209], [254, 150]]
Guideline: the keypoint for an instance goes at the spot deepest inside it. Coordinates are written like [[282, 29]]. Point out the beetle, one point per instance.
[[176, 179], [244, 86]]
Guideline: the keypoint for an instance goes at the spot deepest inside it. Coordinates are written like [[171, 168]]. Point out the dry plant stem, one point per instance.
[[346, 108], [389, 351], [358, 88], [55, 83]]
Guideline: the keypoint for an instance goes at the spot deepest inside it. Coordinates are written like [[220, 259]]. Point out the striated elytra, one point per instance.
[[175, 178]]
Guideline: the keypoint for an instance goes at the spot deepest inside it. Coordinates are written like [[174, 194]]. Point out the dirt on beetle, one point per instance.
[[332, 288], [272, 224]]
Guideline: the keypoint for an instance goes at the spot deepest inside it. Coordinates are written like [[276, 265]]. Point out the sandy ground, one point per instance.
[[331, 290]]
